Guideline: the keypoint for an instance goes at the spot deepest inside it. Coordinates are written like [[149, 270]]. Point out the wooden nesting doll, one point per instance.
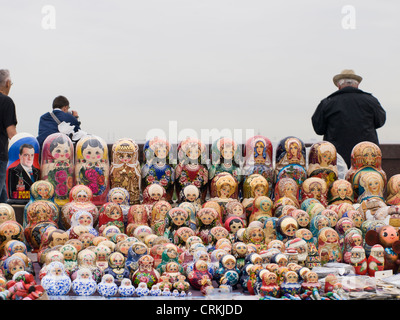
[[121, 197], [290, 160], [258, 159], [80, 198], [224, 186], [157, 168], [191, 168], [137, 216], [315, 188], [110, 214], [329, 245], [255, 185], [322, 160], [10, 230], [23, 167], [226, 157], [365, 156], [125, 169], [206, 219], [92, 167], [288, 188], [7, 213], [262, 209], [158, 217], [58, 165], [341, 191], [371, 185], [393, 190]]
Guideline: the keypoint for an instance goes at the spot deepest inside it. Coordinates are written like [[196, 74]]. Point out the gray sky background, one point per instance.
[[131, 66]]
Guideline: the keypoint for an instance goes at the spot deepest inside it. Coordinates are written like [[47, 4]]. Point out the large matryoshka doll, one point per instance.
[[255, 185], [258, 159], [322, 160], [366, 156], [7, 213], [315, 188], [224, 188], [125, 168], [23, 167], [191, 168], [226, 157], [287, 188], [290, 160], [58, 165], [92, 167], [158, 168], [80, 199], [393, 191], [341, 191]]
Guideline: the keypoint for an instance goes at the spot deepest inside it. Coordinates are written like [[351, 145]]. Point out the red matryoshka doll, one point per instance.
[[200, 276], [371, 185], [145, 272], [80, 198], [7, 213], [388, 237], [151, 194], [393, 191], [258, 159], [110, 214], [233, 224], [10, 230], [58, 165], [125, 168], [341, 191], [158, 168], [269, 285], [92, 167], [137, 216], [329, 245], [255, 185], [225, 157], [158, 216], [310, 281], [254, 234], [23, 167], [376, 260], [121, 197], [322, 160], [287, 187], [206, 220], [366, 156], [262, 209], [315, 188], [191, 168]]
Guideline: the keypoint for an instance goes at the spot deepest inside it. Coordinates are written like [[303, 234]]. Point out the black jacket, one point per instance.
[[347, 117]]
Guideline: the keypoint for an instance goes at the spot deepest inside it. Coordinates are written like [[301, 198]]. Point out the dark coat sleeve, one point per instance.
[[318, 118], [379, 114]]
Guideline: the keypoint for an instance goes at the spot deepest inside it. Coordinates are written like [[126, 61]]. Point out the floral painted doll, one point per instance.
[[57, 165], [228, 270], [137, 216], [262, 209], [121, 197], [146, 272], [200, 276], [182, 235], [136, 251], [110, 214], [322, 160], [175, 219], [287, 187], [255, 235]]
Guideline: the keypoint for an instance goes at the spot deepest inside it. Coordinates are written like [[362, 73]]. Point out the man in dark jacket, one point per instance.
[[348, 116]]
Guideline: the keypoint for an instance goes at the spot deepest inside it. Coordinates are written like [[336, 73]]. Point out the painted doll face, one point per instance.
[[27, 156], [331, 236], [227, 152], [3, 215], [235, 226], [241, 248], [193, 153], [84, 220], [59, 238], [155, 195], [125, 157], [225, 190], [41, 213], [315, 190], [85, 275], [266, 206], [312, 277], [201, 265], [16, 268], [374, 185], [256, 234], [229, 264], [290, 230], [204, 256], [303, 219], [289, 189], [259, 191], [43, 190], [178, 220], [82, 196], [118, 198], [369, 156], [61, 152], [161, 152], [326, 158], [259, 149], [172, 267], [191, 196], [237, 211], [114, 214], [92, 154], [207, 219], [118, 260], [388, 235], [342, 190], [293, 149]]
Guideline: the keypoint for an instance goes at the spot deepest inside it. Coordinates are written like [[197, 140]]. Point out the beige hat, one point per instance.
[[346, 74]]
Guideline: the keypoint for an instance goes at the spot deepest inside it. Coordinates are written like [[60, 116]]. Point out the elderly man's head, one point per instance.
[[5, 81], [347, 83]]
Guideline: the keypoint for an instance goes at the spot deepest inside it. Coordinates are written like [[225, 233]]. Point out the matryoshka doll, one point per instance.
[[137, 250], [84, 284], [322, 160], [92, 167], [224, 187], [137, 216], [329, 246], [110, 214], [262, 209], [269, 285], [56, 282], [116, 267], [191, 168], [228, 270], [206, 219], [200, 275], [310, 281], [191, 210], [146, 271], [157, 168], [175, 219], [315, 188], [341, 191], [393, 191], [182, 235], [366, 156], [7, 213], [80, 198], [121, 197], [107, 287], [58, 165], [290, 160], [287, 188], [286, 228], [258, 159], [125, 169], [255, 185], [10, 230], [23, 167], [254, 234], [371, 185], [235, 209], [84, 219], [151, 194]]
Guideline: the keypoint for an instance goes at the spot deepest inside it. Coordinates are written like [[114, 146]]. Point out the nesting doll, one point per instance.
[[258, 159], [329, 246], [70, 254], [102, 253], [269, 285], [84, 219], [84, 285], [157, 168], [190, 193], [151, 194], [125, 168], [107, 287], [182, 235], [228, 270], [137, 216], [7, 213], [146, 272], [291, 283], [57, 165], [191, 210], [310, 281], [206, 219], [110, 213], [200, 275], [175, 219], [224, 187], [116, 267], [56, 282], [255, 185], [290, 159], [80, 198], [365, 156], [92, 167], [393, 190], [51, 238], [286, 228], [121, 197], [322, 160], [23, 167], [254, 234], [315, 188], [340, 191], [371, 185], [287, 188], [191, 168], [262, 209], [10, 230], [126, 289], [136, 251]]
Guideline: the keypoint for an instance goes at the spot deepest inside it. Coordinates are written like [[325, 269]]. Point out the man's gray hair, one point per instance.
[[347, 82], [4, 76]]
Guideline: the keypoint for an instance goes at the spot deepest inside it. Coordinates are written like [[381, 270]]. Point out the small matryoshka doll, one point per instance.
[[137, 216], [151, 194], [182, 235], [371, 185], [206, 219], [200, 274], [269, 286], [287, 187], [10, 230], [110, 214], [233, 224], [258, 159], [125, 168], [315, 188], [190, 193], [286, 228], [58, 165], [366, 156], [341, 191], [322, 160], [175, 219], [255, 185], [7, 213], [228, 270], [329, 245], [92, 167], [80, 198], [23, 167], [83, 219], [121, 197], [254, 234], [262, 209], [393, 190], [116, 267], [146, 271], [290, 151], [226, 157], [157, 168], [158, 216], [70, 254], [310, 281], [191, 168], [191, 210], [51, 238]]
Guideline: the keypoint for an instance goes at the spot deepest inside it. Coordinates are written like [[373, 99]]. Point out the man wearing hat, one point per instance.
[[349, 115]]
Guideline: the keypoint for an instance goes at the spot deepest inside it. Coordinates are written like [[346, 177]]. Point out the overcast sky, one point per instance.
[[132, 66]]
